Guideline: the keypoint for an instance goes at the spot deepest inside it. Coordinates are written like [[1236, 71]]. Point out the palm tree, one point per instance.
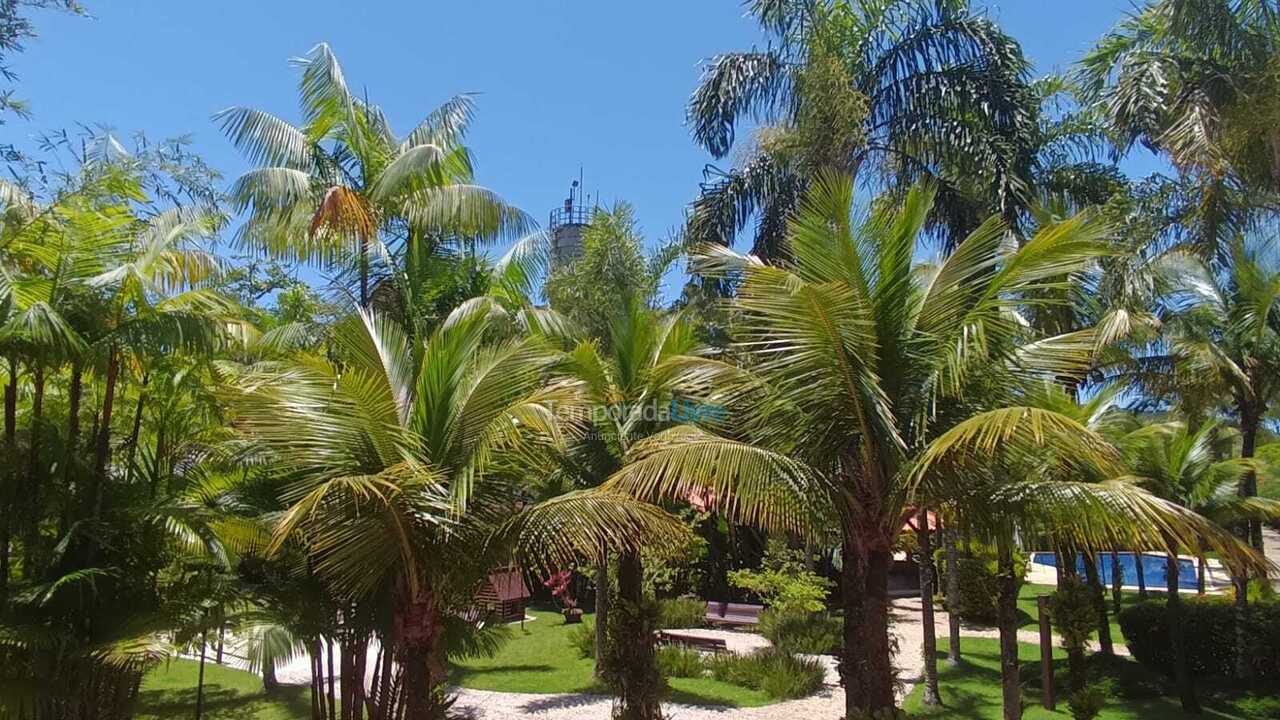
[[342, 187], [907, 86], [849, 351], [1195, 80], [391, 461], [1180, 464]]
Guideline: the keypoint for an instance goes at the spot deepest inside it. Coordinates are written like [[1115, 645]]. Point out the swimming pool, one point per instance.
[[1153, 569]]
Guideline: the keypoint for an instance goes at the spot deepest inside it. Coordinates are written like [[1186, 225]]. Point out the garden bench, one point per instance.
[[695, 642], [727, 613]]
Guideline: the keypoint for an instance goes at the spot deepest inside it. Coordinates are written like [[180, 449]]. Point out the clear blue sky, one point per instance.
[[597, 84]]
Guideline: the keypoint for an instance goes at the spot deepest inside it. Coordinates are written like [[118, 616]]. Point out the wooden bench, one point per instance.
[[737, 614], [695, 642]]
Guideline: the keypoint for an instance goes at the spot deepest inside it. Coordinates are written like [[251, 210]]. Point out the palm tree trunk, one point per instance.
[[31, 538], [953, 596], [1202, 566], [200, 677], [269, 681], [102, 452], [420, 627], [637, 682], [7, 494], [1178, 637], [930, 642], [333, 678], [602, 610], [1098, 597], [1140, 560], [1117, 582], [1007, 619], [1249, 422], [866, 667], [1244, 669], [136, 430]]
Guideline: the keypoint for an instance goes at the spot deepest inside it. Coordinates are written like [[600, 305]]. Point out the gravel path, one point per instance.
[[826, 704]]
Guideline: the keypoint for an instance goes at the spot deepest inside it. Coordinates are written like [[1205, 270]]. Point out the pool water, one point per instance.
[[1153, 569]]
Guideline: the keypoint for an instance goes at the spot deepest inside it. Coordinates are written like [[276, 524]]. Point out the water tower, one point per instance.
[[567, 224]]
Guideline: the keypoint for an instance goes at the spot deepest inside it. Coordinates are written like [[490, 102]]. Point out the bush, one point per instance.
[[783, 582], [778, 674], [583, 638], [681, 613], [680, 662], [1087, 703], [1209, 624], [979, 586], [802, 632]]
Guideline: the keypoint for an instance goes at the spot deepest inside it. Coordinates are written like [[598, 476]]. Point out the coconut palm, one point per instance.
[[850, 352], [392, 464], [900, 87], [342, 187]]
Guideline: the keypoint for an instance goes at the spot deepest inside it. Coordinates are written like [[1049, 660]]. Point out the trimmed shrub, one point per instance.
[[1209, 624], [681, 613], [802, 632], [583, 638], [778, 674], [680, 662], [979, 586], [1087, 703]]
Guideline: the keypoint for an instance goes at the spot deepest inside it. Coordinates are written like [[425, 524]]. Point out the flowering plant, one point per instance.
[[559, 583]]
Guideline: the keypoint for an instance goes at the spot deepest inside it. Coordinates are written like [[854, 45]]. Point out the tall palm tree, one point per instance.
[[901, 87], [342, 189], [391, 461], [1195, 80], [850, 353]]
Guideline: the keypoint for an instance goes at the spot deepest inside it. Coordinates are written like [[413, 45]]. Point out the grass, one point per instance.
[[972, 690], [541, 658], [169, 691], [1028, 614]]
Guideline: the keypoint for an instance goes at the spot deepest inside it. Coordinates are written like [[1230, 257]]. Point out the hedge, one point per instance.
[[1210, 627]]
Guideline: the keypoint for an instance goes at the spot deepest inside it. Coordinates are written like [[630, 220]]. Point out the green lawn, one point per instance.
[[972, 690], [541, 659], [1028, 614], [169, 691]]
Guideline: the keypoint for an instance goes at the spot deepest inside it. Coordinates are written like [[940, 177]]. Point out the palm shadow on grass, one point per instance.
[[225, 702]]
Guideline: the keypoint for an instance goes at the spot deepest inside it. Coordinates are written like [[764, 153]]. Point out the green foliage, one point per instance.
[[630, 666], [680, 662], [1075, 616], [676, 570], [783, 582], [779, 674], [799, 631], [979, 586], [583, 638], [1087, 703], [681, 613], [1210, 627]]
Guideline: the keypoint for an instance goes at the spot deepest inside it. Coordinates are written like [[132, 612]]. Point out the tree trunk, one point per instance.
[[1098, 597], [269, 681], [1249, 421], [634, 671], [1243, 668], [1202, 566], [1007, 619], [333, 705], [420, 625], [1140, 560], [866, 666], [136, 429], [930, 641], [102, 452], [1178, 638], [1117, 582], [7, 492], [204, 636], [953, 596], [602, 610], [31, 538]]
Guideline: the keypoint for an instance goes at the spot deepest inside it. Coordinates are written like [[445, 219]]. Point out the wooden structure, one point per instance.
[[738, 614], [503, 594], [691, 641]]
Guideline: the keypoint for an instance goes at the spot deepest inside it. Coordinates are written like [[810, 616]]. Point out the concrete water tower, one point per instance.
[[567, 224]]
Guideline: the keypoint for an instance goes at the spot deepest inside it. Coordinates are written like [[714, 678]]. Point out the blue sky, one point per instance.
[[601, 85]]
